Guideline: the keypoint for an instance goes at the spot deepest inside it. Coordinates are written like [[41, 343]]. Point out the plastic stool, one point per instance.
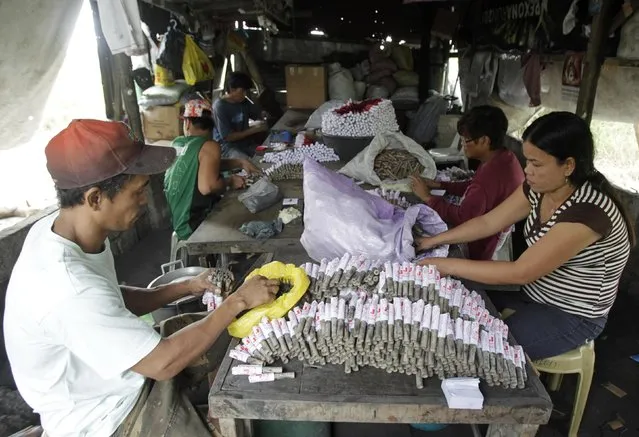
[[176, 247], [581, 361]]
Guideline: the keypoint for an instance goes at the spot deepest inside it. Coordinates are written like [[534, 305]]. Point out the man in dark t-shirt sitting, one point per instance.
[[231, 114]]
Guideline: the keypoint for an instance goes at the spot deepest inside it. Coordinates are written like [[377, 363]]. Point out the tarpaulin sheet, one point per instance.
[[34, 36]]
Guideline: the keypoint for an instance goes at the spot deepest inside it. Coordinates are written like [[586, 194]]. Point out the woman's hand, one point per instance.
[[443, 264], [249, 167], [424, 243], [421, 187]]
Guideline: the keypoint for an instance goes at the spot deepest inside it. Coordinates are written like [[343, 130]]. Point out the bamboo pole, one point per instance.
[[594, 61]]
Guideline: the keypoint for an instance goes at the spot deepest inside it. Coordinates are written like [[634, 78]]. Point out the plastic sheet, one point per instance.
[[340, 83], [377, 92], [423, 126], [261, 195], [510, 81], [403, 57], [362, 223], [360, 90], [171, 51], [279, 307], [163, 95], [196, 66], [406, 94], [406, 78]]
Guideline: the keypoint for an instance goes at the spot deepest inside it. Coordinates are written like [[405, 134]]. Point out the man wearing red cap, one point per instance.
[[80, 355], [193, 184]]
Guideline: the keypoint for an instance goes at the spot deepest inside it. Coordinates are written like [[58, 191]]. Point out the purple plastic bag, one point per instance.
[[340, 217]]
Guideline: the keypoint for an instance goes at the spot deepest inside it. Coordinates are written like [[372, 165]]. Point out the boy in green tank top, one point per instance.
[[194, 182]]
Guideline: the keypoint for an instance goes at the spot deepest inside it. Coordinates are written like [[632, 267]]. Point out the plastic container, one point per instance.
[[347, 147]]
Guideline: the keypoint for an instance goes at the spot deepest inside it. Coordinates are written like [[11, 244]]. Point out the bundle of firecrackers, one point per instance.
[[397, 317], [285, 172], [393, 197], [316, 151], [222, 284], [288, 164], [396, 164], [454, 174], [360, 119]]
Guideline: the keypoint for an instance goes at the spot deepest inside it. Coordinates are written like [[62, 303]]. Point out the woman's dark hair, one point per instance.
[[68, 198], [482, 121], [205, 122], [565, 135], [238, 79]]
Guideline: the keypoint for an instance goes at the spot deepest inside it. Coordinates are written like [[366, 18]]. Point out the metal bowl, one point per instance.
[[188, 304]]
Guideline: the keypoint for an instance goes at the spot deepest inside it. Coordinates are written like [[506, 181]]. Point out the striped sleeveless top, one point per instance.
[[587, 284]]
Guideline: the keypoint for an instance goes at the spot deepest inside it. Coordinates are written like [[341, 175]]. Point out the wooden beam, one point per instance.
[[424, 68], [594, 60], [112, 98], [124, 76]]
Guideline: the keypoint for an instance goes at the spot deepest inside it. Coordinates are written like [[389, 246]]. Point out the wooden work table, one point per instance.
[[219, 233], [327, 394]]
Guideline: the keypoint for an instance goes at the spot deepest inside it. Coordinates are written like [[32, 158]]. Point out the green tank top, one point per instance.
[[180, 186]]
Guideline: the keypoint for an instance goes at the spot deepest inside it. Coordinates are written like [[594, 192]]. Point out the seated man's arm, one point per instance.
[[94, 325], [238, 136], [244, 164], [142, 301], [176, 352], [209, 179]]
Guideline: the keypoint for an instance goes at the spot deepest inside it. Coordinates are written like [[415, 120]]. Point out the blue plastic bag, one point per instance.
[[340, 217]]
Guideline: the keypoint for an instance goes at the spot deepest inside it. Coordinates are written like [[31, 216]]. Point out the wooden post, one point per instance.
[[124, 76], [428, 19], [117, 80], [111, 90], [594, 60]]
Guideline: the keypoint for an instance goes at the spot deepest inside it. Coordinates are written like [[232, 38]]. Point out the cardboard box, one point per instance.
[[162, 122], [306, 86]]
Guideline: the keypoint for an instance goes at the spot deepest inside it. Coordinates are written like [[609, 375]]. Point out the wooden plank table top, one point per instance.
[[219, 232], [328, 394]]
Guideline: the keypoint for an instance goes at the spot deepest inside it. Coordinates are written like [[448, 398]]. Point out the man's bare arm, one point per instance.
[[142, 301], [176, 352]]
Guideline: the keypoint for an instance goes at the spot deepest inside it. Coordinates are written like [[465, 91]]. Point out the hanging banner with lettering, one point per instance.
[[520, 24]]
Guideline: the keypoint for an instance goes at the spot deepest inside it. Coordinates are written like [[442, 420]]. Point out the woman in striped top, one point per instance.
[[578, 234]]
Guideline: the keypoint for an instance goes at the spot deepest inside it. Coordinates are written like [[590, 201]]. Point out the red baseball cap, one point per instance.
[[90, 151]]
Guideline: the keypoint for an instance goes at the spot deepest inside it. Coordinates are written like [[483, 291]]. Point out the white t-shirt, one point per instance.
[[69, 337]]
